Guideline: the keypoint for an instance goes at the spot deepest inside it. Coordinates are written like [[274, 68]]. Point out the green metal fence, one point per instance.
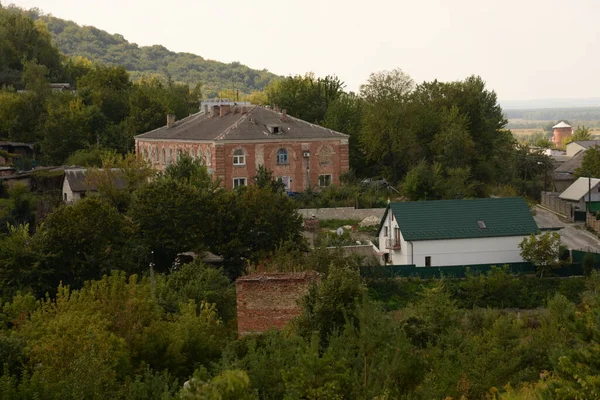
[[460, 271], [455, 271], [578, 255]]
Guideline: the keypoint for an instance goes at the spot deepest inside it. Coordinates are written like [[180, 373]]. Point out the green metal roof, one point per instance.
[[460, 219]]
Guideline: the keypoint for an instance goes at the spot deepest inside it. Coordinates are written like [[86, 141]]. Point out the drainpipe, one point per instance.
[[412, 253]]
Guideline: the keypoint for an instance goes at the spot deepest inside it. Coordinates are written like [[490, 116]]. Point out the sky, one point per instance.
[[523, 49]]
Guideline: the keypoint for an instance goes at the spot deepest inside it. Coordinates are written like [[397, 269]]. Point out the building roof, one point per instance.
[[240, 126], [579, 188], [16, 144], [78, 182], [572, 164], [462, 219], [586, 143], [561, 124]]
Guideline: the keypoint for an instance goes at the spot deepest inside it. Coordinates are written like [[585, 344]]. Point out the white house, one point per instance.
[[582, 145], [582, 191], [455, 232], [76, 185]]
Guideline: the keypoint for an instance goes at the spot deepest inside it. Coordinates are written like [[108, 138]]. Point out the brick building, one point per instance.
[[266, 301], [233, 141]]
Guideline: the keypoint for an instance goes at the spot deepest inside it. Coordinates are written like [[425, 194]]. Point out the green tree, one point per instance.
[[85, 241], [581, 133], [264, 179], [305, 97], [542, 251], [173, 217], [329, 304], [345, 115], [590, 165]]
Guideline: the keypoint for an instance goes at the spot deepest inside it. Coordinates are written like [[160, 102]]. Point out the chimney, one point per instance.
[[206, 109], [214, 111], [284, 115], [225, 110], [244, 109], [276, 108], [170, 120]]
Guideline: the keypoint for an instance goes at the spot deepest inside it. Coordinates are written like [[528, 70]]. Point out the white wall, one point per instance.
[[461, 251], [68, 195], [573, 148]]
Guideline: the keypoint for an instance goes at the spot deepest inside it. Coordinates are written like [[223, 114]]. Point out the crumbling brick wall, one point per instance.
[[270, 300]]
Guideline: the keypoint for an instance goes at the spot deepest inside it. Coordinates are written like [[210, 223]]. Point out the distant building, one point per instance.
[[442, 233], [77, 186], [561, 131], [16, 149], [233, 141]]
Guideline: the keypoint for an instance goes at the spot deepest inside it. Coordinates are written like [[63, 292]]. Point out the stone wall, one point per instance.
[[592, 222], [270, 300], [341, 213], [552, 201]]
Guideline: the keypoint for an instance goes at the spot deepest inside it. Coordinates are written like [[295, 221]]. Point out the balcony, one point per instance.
[[392, 243]]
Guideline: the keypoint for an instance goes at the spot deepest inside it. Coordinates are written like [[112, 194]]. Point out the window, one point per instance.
[[238, 157], [275, 129], [385, 231], [170, 155], [192, 154], [325, 180], [208, 159], [282, 157], [286, 181], [164, 156], [324, 155], [397, 235], [428, 261], [65, 196], [237, 182]]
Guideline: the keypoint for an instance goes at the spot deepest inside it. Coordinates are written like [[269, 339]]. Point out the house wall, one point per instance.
[[341, 213], [266, 301], [561, 133], [467, 251], [67, 195], [326, 157], [395, 256], [573, 148]]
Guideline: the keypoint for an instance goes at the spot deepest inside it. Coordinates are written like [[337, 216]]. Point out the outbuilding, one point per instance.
[[455, 232]]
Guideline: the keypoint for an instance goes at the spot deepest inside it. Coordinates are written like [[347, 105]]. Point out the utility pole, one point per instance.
[[152, 274]]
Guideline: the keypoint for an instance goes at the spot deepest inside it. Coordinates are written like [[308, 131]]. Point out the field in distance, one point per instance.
[[531, 131]]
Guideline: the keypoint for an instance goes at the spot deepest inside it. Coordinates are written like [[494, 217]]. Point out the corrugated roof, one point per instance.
[[561, 124], [460, 219], [79, 183], [587, 143], [572, 164], [579, 189], [237, 126]]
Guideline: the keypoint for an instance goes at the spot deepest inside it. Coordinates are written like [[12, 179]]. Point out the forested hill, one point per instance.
[[113, 49]]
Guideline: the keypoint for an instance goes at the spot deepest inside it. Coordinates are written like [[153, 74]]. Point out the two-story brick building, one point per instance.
[[233, 141]]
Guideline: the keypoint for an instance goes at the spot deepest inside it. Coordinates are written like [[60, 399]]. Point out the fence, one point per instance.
[[552, 201], [341, 213], [460, 271], [578, 255], [456, 271]]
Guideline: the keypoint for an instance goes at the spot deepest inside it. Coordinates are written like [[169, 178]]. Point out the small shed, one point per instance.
[[76, 184]]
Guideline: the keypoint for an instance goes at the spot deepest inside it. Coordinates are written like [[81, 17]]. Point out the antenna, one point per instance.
[[340, 231]]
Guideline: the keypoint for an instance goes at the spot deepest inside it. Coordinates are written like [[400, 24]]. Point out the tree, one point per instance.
[[394, 84], [542, 251], [345, 115], [173, 217], [581, 133], [192, 171], [264, 179], [85, 241], [590, 165], [305, 97], [69, 125]]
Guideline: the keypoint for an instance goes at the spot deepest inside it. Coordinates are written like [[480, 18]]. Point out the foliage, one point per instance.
[[590, 165], [306, 97], [581, 133], [326, 306], [90, 157], [101, 47], [542, 251], [264, 179]]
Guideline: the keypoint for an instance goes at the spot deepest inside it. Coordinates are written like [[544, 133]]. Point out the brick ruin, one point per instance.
[[270, 300]]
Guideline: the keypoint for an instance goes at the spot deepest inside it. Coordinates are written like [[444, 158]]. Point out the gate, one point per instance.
[[580, 216]]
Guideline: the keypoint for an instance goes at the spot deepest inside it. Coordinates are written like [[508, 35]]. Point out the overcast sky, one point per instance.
[[524, 49]]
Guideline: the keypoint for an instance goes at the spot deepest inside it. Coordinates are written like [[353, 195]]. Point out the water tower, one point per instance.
[[561, 131]]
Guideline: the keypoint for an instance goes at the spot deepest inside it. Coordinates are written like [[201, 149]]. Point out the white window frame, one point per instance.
[[207, 156], [239, 182], [239, 159], [288, 185], [330, 180]]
